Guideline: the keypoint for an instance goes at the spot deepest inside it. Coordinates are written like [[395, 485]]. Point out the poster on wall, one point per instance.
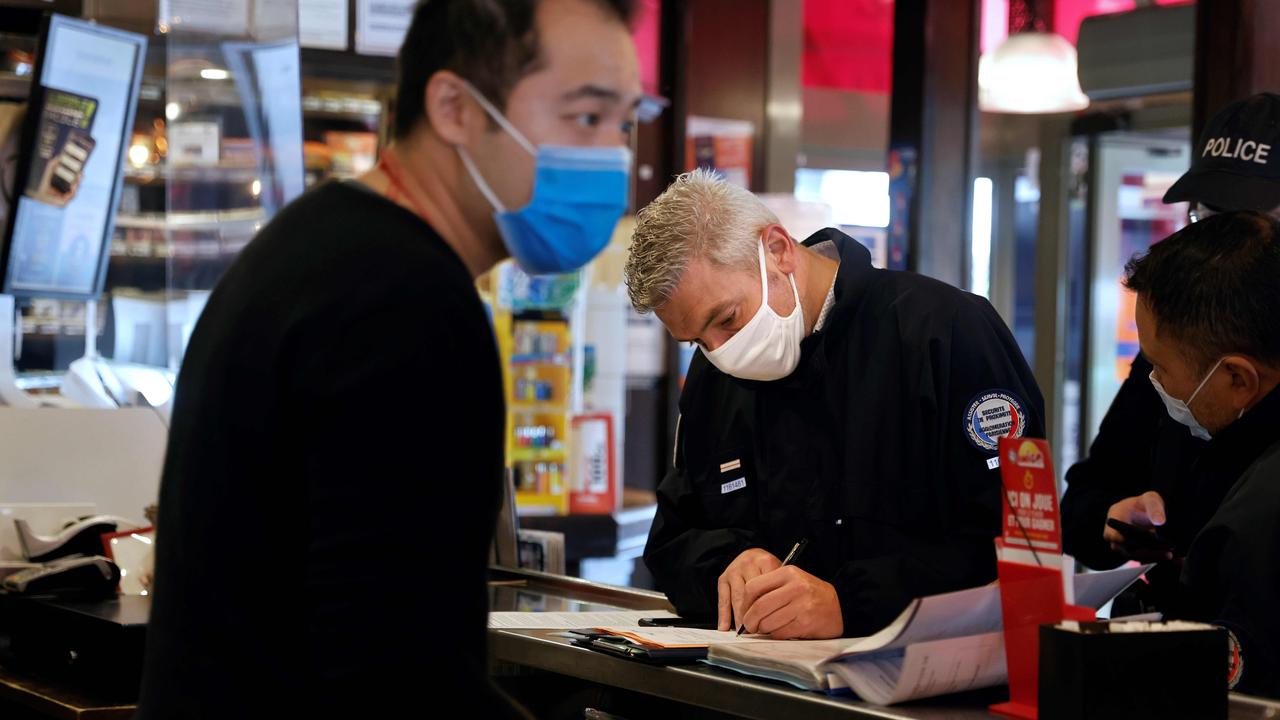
[[322, 24], [219, 17], [381, 25], [902, 184], [275, 20], [720, 144]]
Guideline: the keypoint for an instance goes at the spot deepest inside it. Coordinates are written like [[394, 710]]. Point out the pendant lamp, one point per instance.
[[1033, 71]]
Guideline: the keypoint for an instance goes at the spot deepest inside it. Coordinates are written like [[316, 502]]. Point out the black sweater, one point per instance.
[[332, 478]]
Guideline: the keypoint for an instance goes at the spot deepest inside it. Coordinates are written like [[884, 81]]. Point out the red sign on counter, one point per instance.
[[1030, 569], [1031, 517]]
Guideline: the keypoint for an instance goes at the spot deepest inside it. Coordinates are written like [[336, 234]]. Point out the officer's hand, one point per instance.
[[1143, 511], [790, 603], [749, 565]]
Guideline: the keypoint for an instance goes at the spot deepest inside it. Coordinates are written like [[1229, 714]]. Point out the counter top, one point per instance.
[[55, 700], [702, 686]]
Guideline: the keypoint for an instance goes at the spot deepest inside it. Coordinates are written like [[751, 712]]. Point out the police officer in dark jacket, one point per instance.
[[855, 408], [1143, 468], [1208, 299]]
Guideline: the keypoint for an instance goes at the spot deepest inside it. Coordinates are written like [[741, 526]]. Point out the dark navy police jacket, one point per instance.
[[878, 449]]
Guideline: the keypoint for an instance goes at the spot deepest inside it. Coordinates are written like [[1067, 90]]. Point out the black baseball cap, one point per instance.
[[1236, 165]]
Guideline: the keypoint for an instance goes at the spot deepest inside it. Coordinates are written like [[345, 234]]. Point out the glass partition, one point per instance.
[[232, 157]]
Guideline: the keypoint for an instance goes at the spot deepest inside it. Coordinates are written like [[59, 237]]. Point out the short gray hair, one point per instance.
[[700, 215]]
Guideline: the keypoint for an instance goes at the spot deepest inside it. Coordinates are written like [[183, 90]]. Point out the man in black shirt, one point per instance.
[[1143, 468], [335, 458], [1207, 306]]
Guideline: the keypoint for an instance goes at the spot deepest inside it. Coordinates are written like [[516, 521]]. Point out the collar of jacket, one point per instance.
[[852, 277], [1238, 445]]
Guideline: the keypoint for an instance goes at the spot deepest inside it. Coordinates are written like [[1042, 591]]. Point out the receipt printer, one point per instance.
[[78, 576], [1133, 670]]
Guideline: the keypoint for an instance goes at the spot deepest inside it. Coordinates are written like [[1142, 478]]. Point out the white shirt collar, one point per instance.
[[827, 249]]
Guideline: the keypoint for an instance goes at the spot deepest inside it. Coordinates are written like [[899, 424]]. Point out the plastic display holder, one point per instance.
[[90, 381], [1030, 596], [1034, 574], [10, 394]]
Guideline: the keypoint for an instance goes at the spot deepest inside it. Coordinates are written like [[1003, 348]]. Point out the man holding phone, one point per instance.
[[1142, 493], [1207, 305]]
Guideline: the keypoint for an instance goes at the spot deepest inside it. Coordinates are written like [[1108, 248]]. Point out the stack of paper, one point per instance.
[[675, 637], [571, 620], [938, 645]]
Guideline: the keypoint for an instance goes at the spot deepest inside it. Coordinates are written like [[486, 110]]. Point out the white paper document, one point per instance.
[[571, 620], [677, 637], [939, 645], [925, 669], [798, 662]]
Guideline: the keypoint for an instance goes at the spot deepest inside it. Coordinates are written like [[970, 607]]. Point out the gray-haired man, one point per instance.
[[855, 408]]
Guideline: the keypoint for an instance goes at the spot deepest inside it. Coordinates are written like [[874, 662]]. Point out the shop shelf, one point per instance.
[[539, 454], [14, 87], [342, 108], [516, 406], [195, 173], [247, 219], [542, 359], [535, 504]]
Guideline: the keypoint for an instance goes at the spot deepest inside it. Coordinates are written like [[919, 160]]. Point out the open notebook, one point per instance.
[[938, 645]]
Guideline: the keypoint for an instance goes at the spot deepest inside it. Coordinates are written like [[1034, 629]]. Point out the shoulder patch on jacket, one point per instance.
[[991, 415]]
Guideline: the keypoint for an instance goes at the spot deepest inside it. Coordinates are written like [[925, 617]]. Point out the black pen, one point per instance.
[[791, 557]]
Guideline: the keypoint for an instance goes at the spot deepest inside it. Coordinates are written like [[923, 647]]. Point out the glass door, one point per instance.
[[1130, 173]]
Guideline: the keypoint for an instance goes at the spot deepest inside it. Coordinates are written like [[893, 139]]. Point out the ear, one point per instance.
[[779, 246], [450, 110], [1245, 380]]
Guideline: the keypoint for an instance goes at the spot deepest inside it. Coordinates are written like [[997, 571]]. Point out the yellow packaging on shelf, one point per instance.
[[537, 369]]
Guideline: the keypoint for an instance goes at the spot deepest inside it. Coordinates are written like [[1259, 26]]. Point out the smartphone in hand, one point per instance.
[[1140, 538]]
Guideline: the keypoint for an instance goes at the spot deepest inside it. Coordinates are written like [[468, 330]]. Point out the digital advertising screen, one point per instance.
[[75, 135]]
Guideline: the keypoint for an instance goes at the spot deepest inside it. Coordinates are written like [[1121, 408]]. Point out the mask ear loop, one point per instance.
[[764, 277], [511, 130], [795, 292], [1200, 387], [764, 283], [478, 179], [498, 117]]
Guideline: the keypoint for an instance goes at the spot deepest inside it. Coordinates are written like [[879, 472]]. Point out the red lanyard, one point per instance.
[[390, 167]]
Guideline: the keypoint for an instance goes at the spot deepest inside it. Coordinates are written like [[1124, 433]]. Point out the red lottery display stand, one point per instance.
[[1030, 568]]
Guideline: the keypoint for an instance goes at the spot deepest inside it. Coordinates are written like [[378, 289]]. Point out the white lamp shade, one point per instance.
[[1030, 72]]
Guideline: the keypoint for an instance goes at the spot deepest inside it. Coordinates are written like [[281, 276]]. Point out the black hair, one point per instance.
[[490, 43], [1214, 286]]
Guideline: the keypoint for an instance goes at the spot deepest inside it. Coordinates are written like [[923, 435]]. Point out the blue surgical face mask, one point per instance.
[[579, 193], [1181, 411]]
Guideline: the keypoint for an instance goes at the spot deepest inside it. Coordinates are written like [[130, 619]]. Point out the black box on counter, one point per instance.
[[95, 646], [1133, 670]]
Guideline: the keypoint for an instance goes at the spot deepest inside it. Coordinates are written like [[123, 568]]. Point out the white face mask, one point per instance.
[[1181, 411], [768, 346]]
